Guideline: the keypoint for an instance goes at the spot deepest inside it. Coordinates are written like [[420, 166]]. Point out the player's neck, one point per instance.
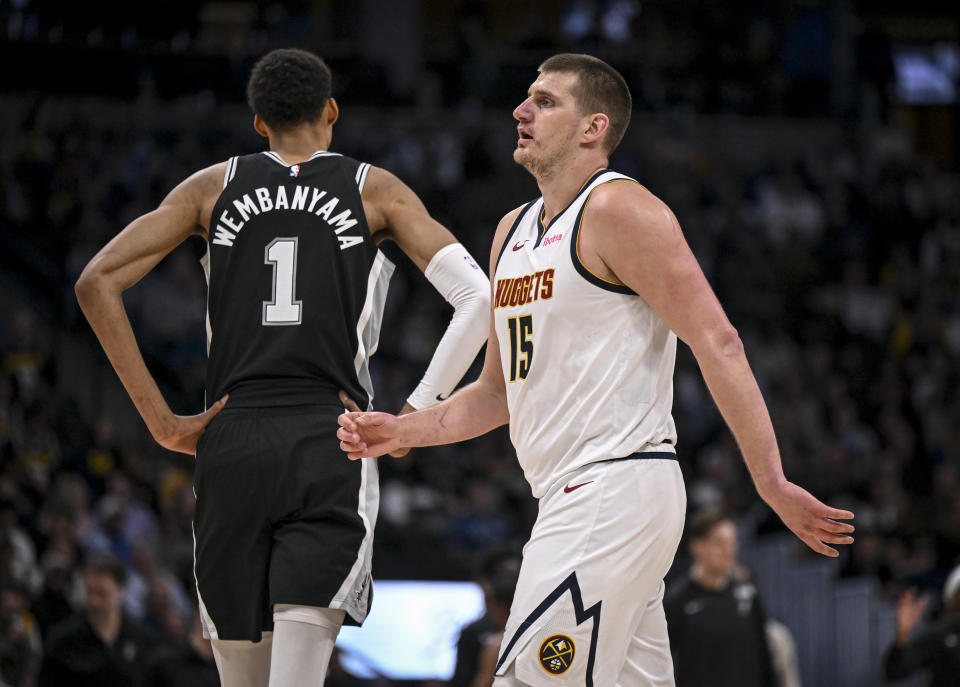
[[560, 186], [298, 144]]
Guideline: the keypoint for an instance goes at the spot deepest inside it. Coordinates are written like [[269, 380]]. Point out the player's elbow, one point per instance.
[[91, 282], [725, 343]]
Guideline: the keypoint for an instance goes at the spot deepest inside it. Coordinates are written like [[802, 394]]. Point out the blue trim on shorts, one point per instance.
[[649, 455], [573, 586]]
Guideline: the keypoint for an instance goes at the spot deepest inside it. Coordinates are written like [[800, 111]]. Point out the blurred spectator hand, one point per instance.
[[910, 610]]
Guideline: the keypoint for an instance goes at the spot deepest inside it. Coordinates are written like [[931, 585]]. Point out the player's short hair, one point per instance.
[[600, 88], [102, 563], [701, 524], [288, 87]]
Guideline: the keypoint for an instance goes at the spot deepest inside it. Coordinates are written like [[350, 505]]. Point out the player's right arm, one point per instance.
[[473, 410], [123, 262], [394, 211]]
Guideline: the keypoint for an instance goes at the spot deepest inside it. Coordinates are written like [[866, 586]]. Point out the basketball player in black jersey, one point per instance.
[[283, 524]]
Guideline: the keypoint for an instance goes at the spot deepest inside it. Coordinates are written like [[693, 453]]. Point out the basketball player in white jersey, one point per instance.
[[591, 285]]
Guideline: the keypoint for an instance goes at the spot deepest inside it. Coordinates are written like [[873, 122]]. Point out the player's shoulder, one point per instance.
[[512, 216], [203, 186], [626, 199]]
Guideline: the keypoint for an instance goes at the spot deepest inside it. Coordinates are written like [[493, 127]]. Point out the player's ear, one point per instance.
[[596, 126], [331, 112], [260, 126]]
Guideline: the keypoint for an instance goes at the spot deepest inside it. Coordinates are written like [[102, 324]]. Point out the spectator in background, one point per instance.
[[99, 647], [714, 616], [20, 645], [935, 646], [479, 641], [188, 662]]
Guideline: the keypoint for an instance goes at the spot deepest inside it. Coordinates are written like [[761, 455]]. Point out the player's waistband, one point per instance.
[[282, 393], [641, 455]]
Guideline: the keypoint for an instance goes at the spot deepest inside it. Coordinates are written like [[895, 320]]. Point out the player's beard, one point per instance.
[[542, 165]]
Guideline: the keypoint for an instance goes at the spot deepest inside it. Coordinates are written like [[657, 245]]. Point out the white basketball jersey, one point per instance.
[[588, 365]]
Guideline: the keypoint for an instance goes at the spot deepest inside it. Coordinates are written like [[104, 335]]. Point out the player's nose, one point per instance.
[[522, 111]]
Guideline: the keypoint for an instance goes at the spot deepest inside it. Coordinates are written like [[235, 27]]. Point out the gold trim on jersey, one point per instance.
[[576, 230]]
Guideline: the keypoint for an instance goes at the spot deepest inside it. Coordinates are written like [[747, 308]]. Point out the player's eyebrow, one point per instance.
[[541, 91]]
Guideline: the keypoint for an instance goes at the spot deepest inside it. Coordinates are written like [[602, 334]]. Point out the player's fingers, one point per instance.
[[818, 546], [214, 409], [400, 452], [371, 419], [346, 421], [347, 436], [835, 513], [832, 538], [348, 402], [837, 527], [350, 447]]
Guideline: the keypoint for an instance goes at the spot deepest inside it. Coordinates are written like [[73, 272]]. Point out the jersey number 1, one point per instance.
[[282, 309], [521, 329]]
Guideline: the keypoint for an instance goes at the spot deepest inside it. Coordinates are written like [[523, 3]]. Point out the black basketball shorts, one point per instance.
[[282, 517]]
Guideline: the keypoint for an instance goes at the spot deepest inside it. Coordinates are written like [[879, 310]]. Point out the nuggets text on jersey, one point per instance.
[[514, 291]]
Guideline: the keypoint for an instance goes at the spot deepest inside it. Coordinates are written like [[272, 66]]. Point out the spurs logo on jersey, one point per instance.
[[589, 364]]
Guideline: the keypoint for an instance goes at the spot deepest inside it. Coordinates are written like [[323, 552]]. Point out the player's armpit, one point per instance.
[[633, 236], [393, 210]]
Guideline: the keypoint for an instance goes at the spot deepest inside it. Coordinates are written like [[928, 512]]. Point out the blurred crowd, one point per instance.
[[837, 258]]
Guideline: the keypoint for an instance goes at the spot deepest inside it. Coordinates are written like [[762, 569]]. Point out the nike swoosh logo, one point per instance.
[[518, 246], [441, 397], [567, 489]]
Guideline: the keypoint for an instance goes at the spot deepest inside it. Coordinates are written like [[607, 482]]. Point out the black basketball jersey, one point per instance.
[[296, 283]]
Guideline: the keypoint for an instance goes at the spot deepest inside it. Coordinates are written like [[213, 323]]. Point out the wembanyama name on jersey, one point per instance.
[[303, 198]]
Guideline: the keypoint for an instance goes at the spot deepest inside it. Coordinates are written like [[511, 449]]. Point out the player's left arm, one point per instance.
[[124, 261], [394, 211], [637, 238]]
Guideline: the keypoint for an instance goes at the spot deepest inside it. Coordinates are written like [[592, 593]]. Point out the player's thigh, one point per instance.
[[648, 662], [231, 529], [323, 519], [596, 556]]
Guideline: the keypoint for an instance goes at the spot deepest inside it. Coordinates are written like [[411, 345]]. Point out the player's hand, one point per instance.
[[181, 432], [367, 435], [815, 523], [348, 402], [910, 609], [352, 406]]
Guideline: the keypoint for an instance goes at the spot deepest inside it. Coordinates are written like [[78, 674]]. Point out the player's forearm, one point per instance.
[[102, 304], [734, 389], [462, 284], [474, 410]]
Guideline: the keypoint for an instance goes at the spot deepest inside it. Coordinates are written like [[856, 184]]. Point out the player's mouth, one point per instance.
[[524, 136]]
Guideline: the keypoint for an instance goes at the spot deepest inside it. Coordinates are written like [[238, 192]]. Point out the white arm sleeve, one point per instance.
[[464, 286]]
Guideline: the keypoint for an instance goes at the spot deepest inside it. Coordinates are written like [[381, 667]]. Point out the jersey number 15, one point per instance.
[[521, 345]]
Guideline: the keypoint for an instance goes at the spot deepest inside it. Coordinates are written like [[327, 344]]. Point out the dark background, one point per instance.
[[821, 199]]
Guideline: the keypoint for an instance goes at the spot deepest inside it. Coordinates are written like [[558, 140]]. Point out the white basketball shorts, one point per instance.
[[588, 609]]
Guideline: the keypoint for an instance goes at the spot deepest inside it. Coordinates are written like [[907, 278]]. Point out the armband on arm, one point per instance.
[[463, 285]]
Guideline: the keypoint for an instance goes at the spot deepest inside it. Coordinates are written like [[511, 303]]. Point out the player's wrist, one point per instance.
[[771, 486]]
